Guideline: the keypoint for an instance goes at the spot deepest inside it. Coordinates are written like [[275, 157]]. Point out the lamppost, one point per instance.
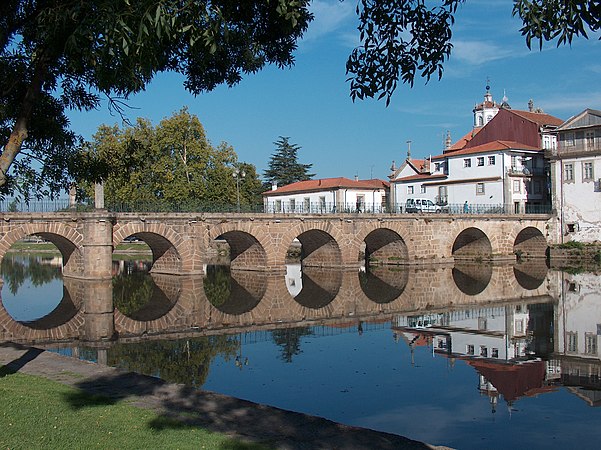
[[237, 175]]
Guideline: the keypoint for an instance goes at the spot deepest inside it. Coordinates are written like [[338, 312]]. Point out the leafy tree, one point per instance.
[[172, 163], [402, 38], [61, 55], [284, 167]]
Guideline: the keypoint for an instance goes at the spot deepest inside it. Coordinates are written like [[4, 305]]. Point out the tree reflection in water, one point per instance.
[[37, 270], [289, 341], [185, 361]]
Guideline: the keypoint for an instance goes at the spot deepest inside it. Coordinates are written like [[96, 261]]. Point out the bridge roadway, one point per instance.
[[182, 243], [261, 300]]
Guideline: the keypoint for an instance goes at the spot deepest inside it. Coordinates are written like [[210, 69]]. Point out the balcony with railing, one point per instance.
[[525, 171]]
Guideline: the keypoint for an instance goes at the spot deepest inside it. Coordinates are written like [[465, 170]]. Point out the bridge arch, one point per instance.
[[383, 284], [472, 279], [472, 243], [246, 252], [66, 239], [530, 243], [385, 246], [170, 254], [319, 245]]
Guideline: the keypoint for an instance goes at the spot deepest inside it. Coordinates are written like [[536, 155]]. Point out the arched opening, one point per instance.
[[319, 249], [472, 279], [530, 243], [383, 284], [472, 244], [242, 250], [145, 246], [384, 246]]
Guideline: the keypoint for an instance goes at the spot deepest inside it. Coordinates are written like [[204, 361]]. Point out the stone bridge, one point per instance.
[[182, 243]]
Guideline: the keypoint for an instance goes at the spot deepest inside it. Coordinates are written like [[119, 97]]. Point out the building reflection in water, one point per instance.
[[524, 329]]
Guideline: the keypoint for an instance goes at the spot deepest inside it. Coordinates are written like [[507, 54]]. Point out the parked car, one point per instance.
[[421, 205]]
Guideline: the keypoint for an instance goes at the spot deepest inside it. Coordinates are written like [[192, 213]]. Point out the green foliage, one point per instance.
[[64, 55], [402, 39], [283, 167], [172, 163], [131, 292], [218, 285], [572, 244]]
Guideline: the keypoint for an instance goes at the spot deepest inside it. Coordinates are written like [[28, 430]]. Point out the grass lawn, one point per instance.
[[36, 413]]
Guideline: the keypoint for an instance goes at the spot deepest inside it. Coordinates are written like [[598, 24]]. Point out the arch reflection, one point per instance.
[[137, 295], [383, 284], [313, 287], [531, 274], [234, 292], [472, 279]]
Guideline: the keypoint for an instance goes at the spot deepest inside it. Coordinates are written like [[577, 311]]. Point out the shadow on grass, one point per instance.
[[250, 425]]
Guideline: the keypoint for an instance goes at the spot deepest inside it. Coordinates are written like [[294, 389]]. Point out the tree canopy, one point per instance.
[[172, 163], [64, 54], [404, 38], [283, 167]]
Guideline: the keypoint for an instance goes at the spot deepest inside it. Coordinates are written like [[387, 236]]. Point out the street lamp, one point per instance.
[[237, 175]]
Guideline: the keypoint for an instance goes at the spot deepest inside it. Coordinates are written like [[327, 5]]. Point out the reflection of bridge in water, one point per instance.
[[243, 301]]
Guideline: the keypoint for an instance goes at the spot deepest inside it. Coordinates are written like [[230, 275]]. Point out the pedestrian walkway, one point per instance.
[[233, 417]]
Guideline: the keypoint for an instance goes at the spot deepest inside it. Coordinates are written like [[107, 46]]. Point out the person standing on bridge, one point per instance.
[[466, 208]]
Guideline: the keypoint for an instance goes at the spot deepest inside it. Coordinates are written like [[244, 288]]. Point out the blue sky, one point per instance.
[[310, 102]]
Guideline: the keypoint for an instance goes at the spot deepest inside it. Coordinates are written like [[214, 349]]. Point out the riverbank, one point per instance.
[[183, 407]]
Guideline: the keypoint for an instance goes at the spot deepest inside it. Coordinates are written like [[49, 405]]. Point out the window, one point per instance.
[[483, 351], [469, 349], [495, 353], [467, 162], [437, 166], [278, 206], [423, 189], [409, 189], [292, 204], [322, 203], [590, 343], [517, 186], [480, 160], [307, 204], [572, 341], [590, 140], [519, 326], [482, 323], [568, 172], [569, 140], [479, 188], [537, 187], [514, 161], [587, 171], [491, 160]]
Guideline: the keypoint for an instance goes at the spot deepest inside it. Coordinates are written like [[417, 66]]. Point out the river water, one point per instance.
[[487, 356]]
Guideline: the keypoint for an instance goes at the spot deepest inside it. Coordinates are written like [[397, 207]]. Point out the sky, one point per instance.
[[310, 102]]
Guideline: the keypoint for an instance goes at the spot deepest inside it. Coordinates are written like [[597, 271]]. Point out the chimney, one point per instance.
[[408, 150], [530, 105], [356, 177], [274, 185]]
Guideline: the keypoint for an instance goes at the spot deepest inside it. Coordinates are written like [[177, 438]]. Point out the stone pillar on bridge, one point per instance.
[[98, 248]]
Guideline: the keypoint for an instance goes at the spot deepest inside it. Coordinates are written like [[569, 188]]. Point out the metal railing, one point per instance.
[[62, 205]]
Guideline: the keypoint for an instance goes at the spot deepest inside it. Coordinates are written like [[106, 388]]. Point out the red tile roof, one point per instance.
[[325, 184], [491, 147], [461, 143], [538, 118]]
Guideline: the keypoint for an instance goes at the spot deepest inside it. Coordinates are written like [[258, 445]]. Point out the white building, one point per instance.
[[576, 176], [497, 167], [328, 195]]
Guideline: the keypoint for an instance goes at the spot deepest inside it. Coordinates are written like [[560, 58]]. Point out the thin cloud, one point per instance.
[[330, 17], [477, 53]]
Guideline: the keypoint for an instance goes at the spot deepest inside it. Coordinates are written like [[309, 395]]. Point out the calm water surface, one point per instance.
[[468, 357]]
